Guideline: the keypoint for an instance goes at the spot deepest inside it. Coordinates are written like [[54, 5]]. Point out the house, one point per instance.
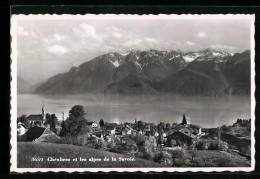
[[21, 129], [38, 119], [147, 129], [139, 132], [182, 136], [134, 132], [127, 130], [93, 125], [156, 134], [199, 133], [168, 131], [110, 125], [118, 133], [113, 132]]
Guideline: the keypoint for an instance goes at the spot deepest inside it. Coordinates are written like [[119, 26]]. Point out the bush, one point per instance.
[[114, 145], [91, 141], [127, 145], [101, 144], [178, 157], [83, 138], [201, 144], [178, 153], [147, 147], [149, 155], [139, 139], [173, 143], [163, 158], [214, 145]]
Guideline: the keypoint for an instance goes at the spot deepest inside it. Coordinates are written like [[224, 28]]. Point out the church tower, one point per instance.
[[43, 114]]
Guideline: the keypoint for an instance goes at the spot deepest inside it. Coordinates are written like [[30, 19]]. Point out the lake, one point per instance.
[[202, 110]]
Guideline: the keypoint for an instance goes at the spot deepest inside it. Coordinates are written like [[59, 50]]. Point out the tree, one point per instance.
[[53, 122], [101, 123], [168, 125], [22, 119], [64, 130], [85, 128], [219, 134], [77, 112], [47, 119], [161, 125], [184, 121], [140, 125], [75, 121], [161, 138]]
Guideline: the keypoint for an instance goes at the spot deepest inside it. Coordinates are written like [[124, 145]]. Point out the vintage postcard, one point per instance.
[[147, 93]]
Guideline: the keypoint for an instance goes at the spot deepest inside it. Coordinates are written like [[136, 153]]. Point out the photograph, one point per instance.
[[127, 93]]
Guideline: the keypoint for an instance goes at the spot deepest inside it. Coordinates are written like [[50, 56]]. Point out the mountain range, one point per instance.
[[206, 72]]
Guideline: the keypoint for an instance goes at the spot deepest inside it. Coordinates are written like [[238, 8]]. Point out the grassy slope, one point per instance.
[[218, 157], [28, 150]]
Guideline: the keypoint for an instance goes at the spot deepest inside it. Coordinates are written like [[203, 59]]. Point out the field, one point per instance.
[[213, 158], [222, 159], [35, 155]]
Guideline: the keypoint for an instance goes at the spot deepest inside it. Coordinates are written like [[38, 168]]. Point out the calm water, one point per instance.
[[205, 111]]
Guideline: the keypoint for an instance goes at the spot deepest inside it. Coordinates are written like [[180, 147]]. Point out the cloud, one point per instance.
[[88, 29], [223, 47], [190, 43], [59, 37], [115, 28], [132, 42], [22, 32], [153, 40], [57, 49], [201, 35]]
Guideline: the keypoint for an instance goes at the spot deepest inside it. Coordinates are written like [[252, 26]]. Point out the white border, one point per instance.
[[13, 123]]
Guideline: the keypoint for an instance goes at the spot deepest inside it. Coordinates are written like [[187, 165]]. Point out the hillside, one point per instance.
[[206, 72], [23, 86], [27, 151]]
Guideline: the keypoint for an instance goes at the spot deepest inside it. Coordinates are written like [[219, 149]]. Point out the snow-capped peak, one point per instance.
[[116, 63]]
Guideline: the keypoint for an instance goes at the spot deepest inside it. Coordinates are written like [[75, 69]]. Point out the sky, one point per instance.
[[48, 47]]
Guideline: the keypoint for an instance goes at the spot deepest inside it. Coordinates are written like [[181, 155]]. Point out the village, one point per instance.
[[137, 138], [182, 132]]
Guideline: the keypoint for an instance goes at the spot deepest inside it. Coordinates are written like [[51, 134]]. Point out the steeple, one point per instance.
[[43, 112]]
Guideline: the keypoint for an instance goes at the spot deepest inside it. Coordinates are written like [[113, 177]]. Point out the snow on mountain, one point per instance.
[[209, 55], [125, 54], [138, 64], [188, 58], [116, 63], [174, 56]]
